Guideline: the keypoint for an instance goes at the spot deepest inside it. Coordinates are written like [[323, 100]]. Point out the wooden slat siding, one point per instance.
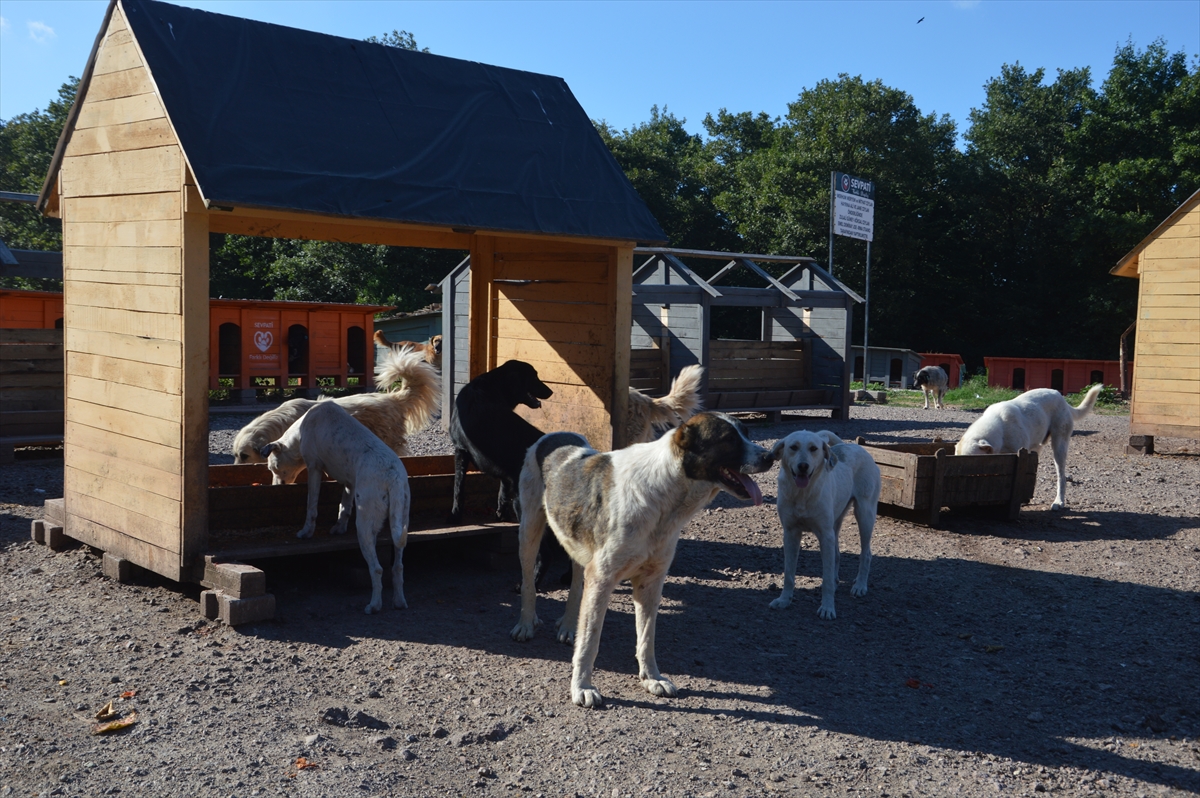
[[566, 293], [148, 402], [117, 55], [195, 344], [31, 382], [1170, 412], [14, 367], [114, 296], [114, 173], [42, 378], [1173, 372], [562, 332], [120, 544], [1171, 249], [154, 456], [1164, 430], [125, 347], [127, 278], [124, 422], [123, 494], [113, 85], [552, 352], [1183, 330], [160, 260], [33, 335], [1174, 388], [157, 233], [551, 311], [130, 136], [1171, 305], [119, 111], [26, 398], [126, 372], [585, 268], [142, 477], [87, 507], [1161, 282], [136, 208]]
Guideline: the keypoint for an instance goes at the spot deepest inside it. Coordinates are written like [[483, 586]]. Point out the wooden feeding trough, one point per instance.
[[249, 518], [920, 479], [181, 128]]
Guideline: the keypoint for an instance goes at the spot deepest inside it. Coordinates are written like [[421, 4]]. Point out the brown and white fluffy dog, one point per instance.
[[431, 349], [619, 515], [393, 415], [681, 403]]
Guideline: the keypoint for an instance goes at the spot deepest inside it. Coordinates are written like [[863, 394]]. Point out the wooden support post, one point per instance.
[[1014, 504], [939, 480], [37, 531]]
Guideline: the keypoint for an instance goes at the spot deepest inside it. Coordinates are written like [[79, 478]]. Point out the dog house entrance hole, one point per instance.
[[1018, 380], [297, 343], [1097, 376], [896, 371], [229, 345], [356, 350], [1056, 380], [858, 367]]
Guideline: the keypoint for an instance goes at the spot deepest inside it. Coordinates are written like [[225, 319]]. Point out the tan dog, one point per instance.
[[393, 415], [431, 350], [647, 413]]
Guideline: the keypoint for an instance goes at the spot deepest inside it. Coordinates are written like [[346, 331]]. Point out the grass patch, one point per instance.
[[974, 394]]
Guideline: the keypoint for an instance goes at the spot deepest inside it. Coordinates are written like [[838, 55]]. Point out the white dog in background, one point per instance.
[[1027, 422], [329, 439], [819, 476], [932, 380]]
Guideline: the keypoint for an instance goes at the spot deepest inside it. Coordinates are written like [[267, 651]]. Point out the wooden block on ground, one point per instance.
[[56, 538], [117, 568], [209, 604], [236, 579], [235, 611], [55, 512], [37, 531], [1138, 444]]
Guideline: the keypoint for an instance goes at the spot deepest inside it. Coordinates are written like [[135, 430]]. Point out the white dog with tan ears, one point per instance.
[[819, 477], [329, 439], [1027, 422]]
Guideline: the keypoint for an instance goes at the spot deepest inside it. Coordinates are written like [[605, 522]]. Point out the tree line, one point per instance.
[[1000, 247]]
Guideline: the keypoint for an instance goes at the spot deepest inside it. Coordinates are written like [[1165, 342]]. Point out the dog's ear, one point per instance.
[[985, 446], [266, 450], [777, 449], [828, 452]]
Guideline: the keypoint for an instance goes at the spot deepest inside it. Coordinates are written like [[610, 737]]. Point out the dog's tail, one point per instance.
[[382, 340], [421, 385], [682, 402], [1089, 401]]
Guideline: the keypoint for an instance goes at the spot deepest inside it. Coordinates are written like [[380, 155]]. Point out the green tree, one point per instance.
[[27, 143], [400, 39]]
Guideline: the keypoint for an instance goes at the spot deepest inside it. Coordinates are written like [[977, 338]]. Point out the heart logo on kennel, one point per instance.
[[263, 340]]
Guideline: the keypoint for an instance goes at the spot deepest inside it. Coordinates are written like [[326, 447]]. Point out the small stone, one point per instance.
[[1034, 717], [384, 741], [1039, 787], [312, 739], [439, 732], [335, 716], [407, 755], [412, 738]]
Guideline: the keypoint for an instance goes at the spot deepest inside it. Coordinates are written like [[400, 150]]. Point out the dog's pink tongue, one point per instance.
[[751, 487], [802, 482]]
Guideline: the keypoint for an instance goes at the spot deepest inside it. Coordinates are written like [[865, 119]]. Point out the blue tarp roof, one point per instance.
[[277, 117]]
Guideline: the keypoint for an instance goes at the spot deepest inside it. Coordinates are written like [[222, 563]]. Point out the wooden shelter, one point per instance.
[[894, 366], [1166, 372], [189, 123]]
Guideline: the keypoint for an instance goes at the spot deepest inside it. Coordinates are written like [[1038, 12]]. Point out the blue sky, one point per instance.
[[620, 58]]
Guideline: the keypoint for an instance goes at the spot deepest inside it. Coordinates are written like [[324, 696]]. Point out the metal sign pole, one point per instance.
[[832, 193], [867, 324]]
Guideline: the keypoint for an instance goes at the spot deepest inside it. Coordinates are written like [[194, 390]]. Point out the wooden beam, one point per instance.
[[195, 362]]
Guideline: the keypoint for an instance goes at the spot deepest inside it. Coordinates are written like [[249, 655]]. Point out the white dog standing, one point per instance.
[[1027, 422], [932, 380], [329, 439], [819, 476]]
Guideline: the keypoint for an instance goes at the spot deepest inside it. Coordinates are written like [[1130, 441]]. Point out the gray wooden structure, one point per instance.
[[801, 360], [891, 365]]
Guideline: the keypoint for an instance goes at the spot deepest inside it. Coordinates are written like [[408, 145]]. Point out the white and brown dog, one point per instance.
[[329, 439], [932, 380], [410, 393], [646, 413], [619, 515], [819, 477], [1027, 422]]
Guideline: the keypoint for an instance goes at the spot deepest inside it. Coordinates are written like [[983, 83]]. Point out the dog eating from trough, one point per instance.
[[486, 430], [820, 476], [328, 439], [619, 516], [1028, 422]]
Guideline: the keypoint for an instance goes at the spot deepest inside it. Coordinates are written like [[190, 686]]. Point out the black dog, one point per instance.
[[487, 432]]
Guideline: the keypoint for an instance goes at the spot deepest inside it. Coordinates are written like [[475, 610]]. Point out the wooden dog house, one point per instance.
[[1064, 376], [188, 123], [1166, 372]]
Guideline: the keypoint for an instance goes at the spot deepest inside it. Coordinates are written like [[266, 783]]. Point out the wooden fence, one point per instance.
[[31, 389]]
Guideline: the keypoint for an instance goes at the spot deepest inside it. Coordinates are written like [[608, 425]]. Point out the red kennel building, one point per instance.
[[290, 343], [1064, 376]]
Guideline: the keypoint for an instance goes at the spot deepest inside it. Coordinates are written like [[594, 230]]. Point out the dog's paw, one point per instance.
[[1057, 505], [399, 602], [339, 528], [661, 687], [858, 589], [587, 697], [566, 635], [306, 532], [525, 631], [827, 612], [781, 602], [373, 607]]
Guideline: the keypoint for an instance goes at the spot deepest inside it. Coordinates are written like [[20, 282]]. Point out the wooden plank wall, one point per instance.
[[123, 234], [31, 382], [829, 347], [569, 316], [1166, 373]]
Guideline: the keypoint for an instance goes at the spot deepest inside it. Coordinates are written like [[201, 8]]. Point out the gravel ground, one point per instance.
[[1059, 654]]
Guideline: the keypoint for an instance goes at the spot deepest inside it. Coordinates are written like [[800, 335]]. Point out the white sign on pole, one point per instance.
[[853, 207]]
